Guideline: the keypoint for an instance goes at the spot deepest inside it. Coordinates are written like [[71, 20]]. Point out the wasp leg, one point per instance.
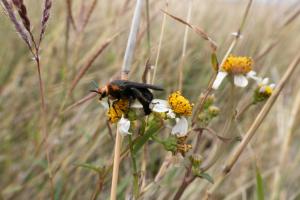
[[143, 98], [113, 105], [108, 102]]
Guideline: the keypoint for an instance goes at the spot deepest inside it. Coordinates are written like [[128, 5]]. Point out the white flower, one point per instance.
[[181, 127], [239, 80], [239, 67], [123, 126]]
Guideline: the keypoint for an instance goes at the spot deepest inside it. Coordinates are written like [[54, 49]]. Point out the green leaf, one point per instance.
[[214, 61], [207, 177], [58, 189], [90, 167], [152, 128], [259, 185]]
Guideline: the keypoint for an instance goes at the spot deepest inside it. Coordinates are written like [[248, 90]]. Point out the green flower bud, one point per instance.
[[213, 111]]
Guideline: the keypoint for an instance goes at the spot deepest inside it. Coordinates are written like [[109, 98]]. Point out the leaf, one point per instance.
[[153, 127], [58, 189], [207, 177], [90, 166], [259, 185], [214, 61]]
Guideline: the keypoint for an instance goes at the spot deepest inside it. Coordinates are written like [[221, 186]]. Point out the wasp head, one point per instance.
[[101, 91]]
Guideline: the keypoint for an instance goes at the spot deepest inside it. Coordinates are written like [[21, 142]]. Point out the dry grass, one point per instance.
[[80, 134]]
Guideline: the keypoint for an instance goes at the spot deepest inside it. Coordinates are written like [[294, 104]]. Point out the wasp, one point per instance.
[[122, 89]]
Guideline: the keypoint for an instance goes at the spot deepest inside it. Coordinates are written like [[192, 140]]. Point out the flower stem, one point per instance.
[[135, 172]]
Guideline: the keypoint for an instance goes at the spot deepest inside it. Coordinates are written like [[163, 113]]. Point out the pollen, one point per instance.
[[179, 104], [116, 111], [238, 64]]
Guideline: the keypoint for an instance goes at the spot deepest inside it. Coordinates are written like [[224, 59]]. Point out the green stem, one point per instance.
[[135, 172]]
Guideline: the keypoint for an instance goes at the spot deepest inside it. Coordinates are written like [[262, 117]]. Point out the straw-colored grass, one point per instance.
[[77, 129]]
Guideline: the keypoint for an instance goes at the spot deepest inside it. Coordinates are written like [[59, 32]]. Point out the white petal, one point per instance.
[[171, 114], [159, 101], [123, 126], [240, 80], [272, 85], [159, 105], [181, 127], [265, 81], [252, 75], [220, 76]]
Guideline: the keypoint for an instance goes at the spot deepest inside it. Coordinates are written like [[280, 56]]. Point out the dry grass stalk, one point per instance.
[[255, 125], [162, 31], [22, 11], [81, 101], [197, 30], [124, 75], [185, 38], [89, 62], [89, 14], [70, 14]]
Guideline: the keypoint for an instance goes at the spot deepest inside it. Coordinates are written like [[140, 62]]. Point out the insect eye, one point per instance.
[[103, 94]]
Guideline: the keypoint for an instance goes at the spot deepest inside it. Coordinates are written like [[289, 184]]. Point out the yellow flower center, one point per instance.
[[179, 104], [116, 111], [237, 65], [266, 90]]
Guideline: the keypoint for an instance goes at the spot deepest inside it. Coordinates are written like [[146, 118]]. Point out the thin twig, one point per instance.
[[185, 38], [90, 61], [162, 32]]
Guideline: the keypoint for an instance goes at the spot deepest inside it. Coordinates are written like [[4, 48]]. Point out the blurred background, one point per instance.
[[80, 135]]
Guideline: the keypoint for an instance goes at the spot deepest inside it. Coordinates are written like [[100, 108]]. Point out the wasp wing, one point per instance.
[[145, 97], [131, 84]]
